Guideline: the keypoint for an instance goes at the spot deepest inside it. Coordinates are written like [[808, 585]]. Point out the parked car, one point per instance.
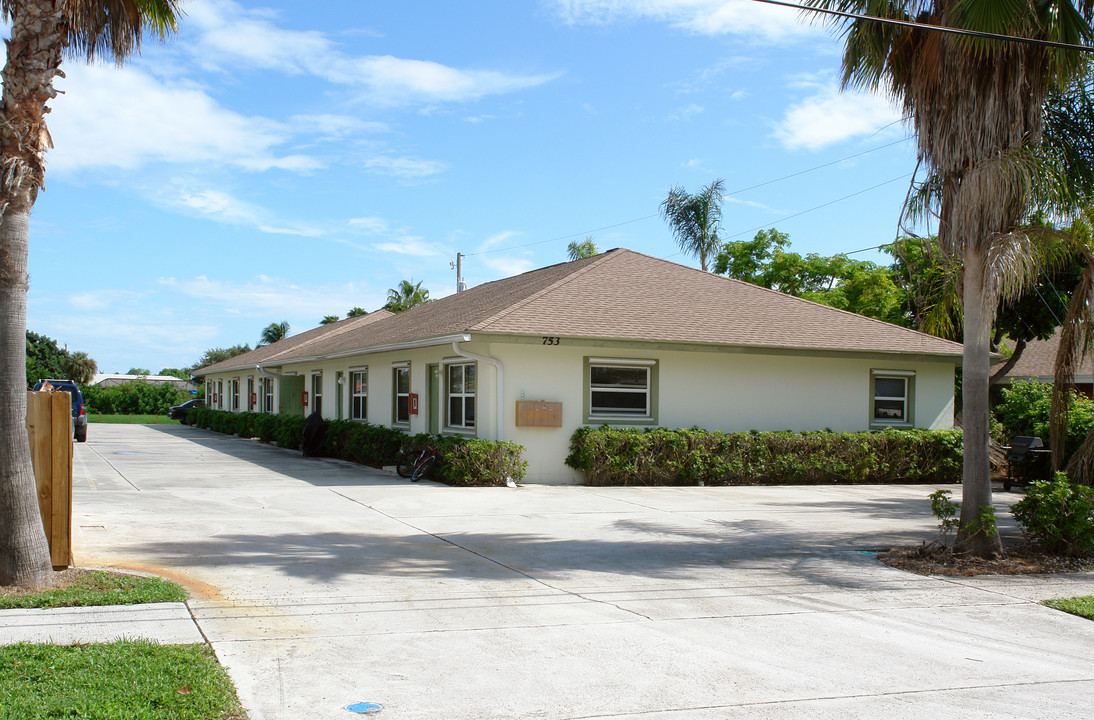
[[179, 412], [79, 414]]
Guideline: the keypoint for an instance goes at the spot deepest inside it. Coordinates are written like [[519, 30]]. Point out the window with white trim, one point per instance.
[[250, 394], [620, 390], [268, 395], [220, 394], [234, 384], [358, 392], [460, 385], [317, 392], [891, 397], [401, 393]]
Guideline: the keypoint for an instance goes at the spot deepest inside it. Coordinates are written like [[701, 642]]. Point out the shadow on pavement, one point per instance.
[[320, 472]]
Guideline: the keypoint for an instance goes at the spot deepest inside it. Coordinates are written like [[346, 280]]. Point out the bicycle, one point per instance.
[[415, 464]]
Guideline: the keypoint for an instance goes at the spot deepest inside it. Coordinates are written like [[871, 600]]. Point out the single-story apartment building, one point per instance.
[[619, 338]]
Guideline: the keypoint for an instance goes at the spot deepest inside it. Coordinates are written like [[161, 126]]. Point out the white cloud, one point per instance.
[[498, 239], [830, 116], [742, 18], [231, 36], [268, 296], [407, 168], [686, 113], [411, 246], [509, 266], [223, 207], [373, 225], [125, 118]]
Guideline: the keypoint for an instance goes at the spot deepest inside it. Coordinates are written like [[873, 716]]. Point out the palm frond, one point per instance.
[[1075, 343]]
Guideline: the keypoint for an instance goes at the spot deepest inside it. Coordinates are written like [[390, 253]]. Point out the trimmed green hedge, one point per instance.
[[463, 461], [660, 456]]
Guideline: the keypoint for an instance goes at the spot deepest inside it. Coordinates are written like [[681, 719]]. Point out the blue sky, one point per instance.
[[284, 161]]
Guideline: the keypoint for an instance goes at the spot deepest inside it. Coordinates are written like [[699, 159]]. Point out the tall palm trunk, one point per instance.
[[33, 61], [976, 363], [24, 552]]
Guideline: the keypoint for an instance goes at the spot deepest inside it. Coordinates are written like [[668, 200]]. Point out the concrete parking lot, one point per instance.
[[320, 584]]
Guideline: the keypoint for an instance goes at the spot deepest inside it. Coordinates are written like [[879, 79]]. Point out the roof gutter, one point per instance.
[[266, 373], [500, 435]]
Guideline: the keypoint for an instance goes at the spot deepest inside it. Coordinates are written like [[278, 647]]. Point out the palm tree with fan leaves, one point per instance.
[[976, 107], [43, 33]]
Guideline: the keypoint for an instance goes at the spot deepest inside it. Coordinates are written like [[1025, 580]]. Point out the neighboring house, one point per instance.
[[1038, 362], [110, 380], [619, 338]]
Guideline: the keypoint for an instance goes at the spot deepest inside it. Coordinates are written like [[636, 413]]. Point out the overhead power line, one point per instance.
[[928, 26], [733, 192]]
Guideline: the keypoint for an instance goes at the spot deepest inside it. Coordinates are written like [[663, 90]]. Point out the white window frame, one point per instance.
[[267, 405], [315, 399], [594, 414], [234, 385], [250, 392], [908, 378], [396, 369], [220, 394], [355, 392], [462, 396]]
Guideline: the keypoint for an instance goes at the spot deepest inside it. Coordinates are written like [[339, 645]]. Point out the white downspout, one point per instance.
[[501, 382]]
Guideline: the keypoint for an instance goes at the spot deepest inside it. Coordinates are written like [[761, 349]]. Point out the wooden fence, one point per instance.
[[49, 427]]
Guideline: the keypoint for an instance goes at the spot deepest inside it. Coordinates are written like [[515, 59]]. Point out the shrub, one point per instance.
[[463, 461], [660, 456], [135, 396], [1026, 410], [1057, 515]]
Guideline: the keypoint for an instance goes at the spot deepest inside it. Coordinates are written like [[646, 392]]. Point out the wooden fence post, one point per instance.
[[49, 429]]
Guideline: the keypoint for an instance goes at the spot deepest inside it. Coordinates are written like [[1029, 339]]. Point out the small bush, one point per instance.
[[136, 396], [659, 456], [463, 461], [1057, 515], [1026, 409]]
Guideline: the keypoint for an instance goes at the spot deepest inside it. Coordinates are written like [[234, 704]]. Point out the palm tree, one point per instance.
[[578, 250], [356, 312], [695, 219], [328, 319], [79, 368], [42, 33], [274, 332], [406, 296], [976, 106]]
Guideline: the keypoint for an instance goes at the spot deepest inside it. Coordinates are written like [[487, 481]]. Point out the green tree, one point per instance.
[[274, 332], [42, 33], [328, 319], [857, 286], [180, 373], [578, 250], [976, 106], [79, 368], [408, 295], [695, 219], [215, 355], [139, 371], [44, 358], [356, 312]]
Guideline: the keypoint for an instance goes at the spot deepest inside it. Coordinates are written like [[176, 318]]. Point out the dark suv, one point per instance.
[[79, 415]]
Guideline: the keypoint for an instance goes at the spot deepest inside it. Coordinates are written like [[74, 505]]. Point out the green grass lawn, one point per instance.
[[94, 417], [99, 588], [1082, 606], [123, 680]]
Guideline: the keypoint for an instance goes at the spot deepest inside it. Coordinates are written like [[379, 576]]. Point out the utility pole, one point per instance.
[[460, 286]]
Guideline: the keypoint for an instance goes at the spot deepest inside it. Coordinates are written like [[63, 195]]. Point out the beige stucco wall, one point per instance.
[[726, 390]]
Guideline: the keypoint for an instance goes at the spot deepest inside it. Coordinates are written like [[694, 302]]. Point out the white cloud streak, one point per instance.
[[230, 36], [830, 116], [741, 18]]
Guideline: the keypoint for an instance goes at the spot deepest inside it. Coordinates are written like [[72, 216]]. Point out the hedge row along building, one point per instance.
[[620, 338]]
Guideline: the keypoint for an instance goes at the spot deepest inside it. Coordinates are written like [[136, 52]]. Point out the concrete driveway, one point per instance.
[[321, 584]]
